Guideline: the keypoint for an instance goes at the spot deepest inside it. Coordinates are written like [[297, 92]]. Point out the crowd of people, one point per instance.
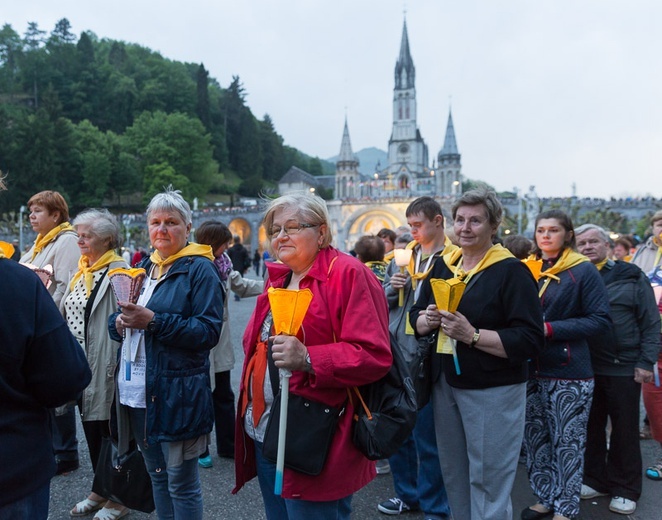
[[541, 359]]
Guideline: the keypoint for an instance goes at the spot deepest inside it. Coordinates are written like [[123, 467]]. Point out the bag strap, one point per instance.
[[90, 303]]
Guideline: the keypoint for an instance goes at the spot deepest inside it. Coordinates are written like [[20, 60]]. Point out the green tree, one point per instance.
[[202, 105], [159, 176], [11, 48], [271, 144]]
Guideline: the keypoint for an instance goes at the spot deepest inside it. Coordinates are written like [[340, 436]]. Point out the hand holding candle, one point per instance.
[[402, 259]]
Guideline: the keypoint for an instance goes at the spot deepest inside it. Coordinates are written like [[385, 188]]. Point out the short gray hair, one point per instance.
[[311, 208], [481, 196], [170, 200], [588, 227], [103, 224]]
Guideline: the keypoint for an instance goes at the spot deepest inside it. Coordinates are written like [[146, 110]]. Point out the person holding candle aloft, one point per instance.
[[343, 342], [417, 477], [479, 413], [575, 306]]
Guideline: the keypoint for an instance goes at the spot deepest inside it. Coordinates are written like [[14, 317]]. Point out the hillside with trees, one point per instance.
[[109, 123]]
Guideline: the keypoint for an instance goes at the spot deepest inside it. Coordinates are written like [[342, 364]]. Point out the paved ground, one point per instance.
[[218, 481]]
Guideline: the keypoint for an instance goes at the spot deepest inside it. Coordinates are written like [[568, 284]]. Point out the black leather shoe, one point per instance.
[[532, 514], [66, 466]]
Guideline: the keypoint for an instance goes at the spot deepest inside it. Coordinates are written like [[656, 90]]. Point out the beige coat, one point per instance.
[[221, 357], [101, 352], [62, 254], [644, 257]]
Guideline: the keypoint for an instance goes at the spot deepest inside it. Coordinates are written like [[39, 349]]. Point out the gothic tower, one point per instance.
[[449, 167], [407, 152], [347, 169]]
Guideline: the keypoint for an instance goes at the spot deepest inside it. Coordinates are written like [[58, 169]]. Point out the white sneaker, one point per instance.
[[588, 492], [621, 505]]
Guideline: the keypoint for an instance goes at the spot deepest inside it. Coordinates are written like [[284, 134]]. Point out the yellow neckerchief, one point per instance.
[[6, 250], [389, 256], [43, 240], [658, 242], [411, 268], [191, 249], [600, 265], [87, 270], [494, 254], [568, 259]]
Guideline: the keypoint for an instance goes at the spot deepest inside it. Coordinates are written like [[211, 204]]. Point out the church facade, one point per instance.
[[365, 202]]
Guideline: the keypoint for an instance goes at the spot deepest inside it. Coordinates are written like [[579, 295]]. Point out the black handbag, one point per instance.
[[311, 426], [123, 479], [421, 369]]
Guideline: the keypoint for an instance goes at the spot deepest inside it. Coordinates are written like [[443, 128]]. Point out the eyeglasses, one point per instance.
[[289, 229]]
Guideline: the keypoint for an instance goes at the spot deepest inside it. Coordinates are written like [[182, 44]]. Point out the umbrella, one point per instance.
[[288, 308], [447, 296], [126, 284]]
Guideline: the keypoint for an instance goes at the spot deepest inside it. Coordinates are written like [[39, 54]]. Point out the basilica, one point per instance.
[[365, 202]]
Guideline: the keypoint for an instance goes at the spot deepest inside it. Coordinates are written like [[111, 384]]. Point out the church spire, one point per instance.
[[346, 154], [450, 144], [405, 73]]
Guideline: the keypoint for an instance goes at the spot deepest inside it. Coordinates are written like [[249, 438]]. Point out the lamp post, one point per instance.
[[20, 227]]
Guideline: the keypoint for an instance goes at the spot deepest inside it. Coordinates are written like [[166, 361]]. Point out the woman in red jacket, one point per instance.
[[342, 343]]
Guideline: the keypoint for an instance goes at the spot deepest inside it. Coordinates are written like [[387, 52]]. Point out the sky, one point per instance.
[[562, 95]]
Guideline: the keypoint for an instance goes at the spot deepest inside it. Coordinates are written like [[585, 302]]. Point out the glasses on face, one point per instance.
[[290, 228]]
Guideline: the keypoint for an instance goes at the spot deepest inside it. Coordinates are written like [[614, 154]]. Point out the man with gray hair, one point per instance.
[[622, 359]]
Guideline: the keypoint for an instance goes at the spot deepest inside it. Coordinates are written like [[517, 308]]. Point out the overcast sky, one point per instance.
[[543, 92]]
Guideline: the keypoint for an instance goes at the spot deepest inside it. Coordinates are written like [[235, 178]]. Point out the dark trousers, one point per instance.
[[63, 430], [224, 414], [617, 470], [95, 431]]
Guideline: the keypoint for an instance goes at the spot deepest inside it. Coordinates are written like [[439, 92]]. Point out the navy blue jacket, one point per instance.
[[576, 308], [188, 307], [41, 366]]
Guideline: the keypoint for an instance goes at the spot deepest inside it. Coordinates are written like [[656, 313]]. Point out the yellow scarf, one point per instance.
[[43, 240], [411, 268], [87, 270], [191, 249], [568, 259], [600, 265], [6, 249], [389, 256], [494, 254]]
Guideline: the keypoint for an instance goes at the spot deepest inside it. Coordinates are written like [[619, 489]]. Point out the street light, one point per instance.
[[20, 227]]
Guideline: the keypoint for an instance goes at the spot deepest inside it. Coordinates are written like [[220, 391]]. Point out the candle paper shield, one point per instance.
[[126, 283], [45, 273], [402, 257], [288, 308], [447, 293], [535, 266]]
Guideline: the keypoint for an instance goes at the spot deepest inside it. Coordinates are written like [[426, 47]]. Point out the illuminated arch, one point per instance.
[[242, 228]]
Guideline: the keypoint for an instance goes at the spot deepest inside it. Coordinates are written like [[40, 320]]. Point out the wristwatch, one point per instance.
[[309, 364], [476, 338], [151, 326]]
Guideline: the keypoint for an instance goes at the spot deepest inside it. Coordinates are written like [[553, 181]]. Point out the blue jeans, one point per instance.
[[278, 508], [416, 473], [32, 507], [177, 491]]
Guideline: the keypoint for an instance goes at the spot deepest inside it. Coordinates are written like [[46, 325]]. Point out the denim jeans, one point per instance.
[[415, 467], [32, 507], [177, 491], [278, 508]]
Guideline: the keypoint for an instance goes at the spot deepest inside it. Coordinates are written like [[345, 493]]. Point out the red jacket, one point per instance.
[[348, 302]]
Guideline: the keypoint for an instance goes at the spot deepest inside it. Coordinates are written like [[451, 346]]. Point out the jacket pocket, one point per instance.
[[183, 404]]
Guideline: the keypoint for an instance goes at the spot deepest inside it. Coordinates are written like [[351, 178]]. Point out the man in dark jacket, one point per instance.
[[622, 359], [241, 260], [41, 367]]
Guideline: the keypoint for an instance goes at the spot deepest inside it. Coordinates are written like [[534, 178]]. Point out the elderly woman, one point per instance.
[[575, 307], [479, 409], [343, 342], [88, 303], [163, 389], [218, 236], [56, 246]]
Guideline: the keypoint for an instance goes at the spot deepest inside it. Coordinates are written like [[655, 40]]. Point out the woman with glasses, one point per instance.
[[342, 343]]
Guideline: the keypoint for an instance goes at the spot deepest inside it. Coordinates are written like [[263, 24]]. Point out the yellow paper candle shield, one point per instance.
[[447, 293], [288, 308], [126, 283], [6, 249]]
